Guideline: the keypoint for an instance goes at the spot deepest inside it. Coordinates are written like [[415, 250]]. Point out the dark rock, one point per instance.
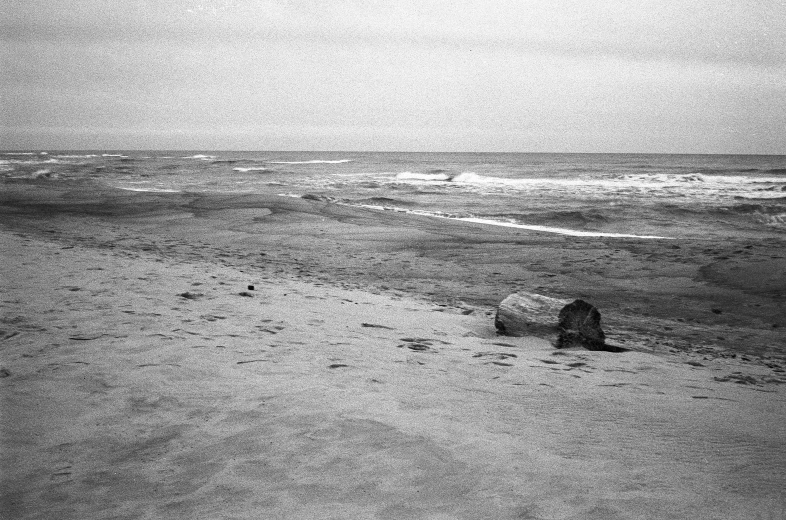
[[250, 287], [579, 326]]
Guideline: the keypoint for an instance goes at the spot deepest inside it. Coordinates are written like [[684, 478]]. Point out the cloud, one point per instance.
[[750, 33]]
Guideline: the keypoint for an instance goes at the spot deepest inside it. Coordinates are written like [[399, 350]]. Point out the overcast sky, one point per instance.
[[683, 76]]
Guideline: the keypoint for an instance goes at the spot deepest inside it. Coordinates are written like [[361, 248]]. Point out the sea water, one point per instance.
[[620, 195]]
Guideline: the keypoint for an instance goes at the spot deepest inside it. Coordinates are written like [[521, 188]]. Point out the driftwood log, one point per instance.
[[529, 314], [579, 326], [566, 324]]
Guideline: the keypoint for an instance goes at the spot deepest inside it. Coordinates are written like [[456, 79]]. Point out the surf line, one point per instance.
[[475, 220], [544, 229], [559, 231]]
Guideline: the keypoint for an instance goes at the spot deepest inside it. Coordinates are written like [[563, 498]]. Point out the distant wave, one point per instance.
[[254, 169], [153, 190], [234, 161], [638, 180], [200, 157], [474, 178], [743, 170], [30, 161], [114, 155], [410, 176], [316, 161], [88, 156]]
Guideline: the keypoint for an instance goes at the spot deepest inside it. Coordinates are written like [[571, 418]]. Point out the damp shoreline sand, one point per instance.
[[362, 377]]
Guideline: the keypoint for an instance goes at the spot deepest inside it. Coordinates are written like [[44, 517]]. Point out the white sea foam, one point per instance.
[[316, 161], [476, 220], [33, 161], [689, 178], [778, 220], [88, 156], [411, 176], [154, 190], [253, 169], [559, 231], [769, 195], [201, 157], [545, 229]]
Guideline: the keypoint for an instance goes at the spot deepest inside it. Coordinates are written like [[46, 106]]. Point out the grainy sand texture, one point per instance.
[[361, 377]]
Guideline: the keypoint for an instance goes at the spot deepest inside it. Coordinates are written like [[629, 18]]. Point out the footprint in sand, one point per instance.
[[418, 344], [61, 475], [495, 355]]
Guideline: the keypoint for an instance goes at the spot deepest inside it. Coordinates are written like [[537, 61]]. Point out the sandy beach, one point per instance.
[[362, 376]]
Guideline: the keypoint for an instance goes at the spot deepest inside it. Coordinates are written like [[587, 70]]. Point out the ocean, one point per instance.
[[657, 197]]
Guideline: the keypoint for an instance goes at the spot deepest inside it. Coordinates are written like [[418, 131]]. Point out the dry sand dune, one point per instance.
[[144, 379]]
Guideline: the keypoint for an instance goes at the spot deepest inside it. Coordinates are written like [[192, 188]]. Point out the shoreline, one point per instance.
[[684, 295]]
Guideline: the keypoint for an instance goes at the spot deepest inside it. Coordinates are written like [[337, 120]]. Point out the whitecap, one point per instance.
[[154, 190], [411, 176], [316, 161], [201, 157], [559, 231], [253, 169]]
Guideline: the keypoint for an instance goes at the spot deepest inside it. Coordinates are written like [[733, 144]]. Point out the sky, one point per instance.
[[599, 76]]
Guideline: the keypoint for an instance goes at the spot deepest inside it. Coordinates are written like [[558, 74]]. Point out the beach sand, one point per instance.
[[362, 376]]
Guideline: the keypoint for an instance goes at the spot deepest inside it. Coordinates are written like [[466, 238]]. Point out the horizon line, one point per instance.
[[44, 151]]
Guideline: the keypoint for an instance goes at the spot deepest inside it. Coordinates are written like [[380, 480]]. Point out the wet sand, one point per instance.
[[362, 376]]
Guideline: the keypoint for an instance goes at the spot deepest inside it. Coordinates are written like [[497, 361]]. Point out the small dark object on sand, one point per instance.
[[246, 294], [250, 287], [375, 326], [190, 295]]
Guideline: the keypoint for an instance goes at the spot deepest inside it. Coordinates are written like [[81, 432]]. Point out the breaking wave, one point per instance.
[[201, 157], [475, 219], [315, 161], [259, 169], [410, 176]]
